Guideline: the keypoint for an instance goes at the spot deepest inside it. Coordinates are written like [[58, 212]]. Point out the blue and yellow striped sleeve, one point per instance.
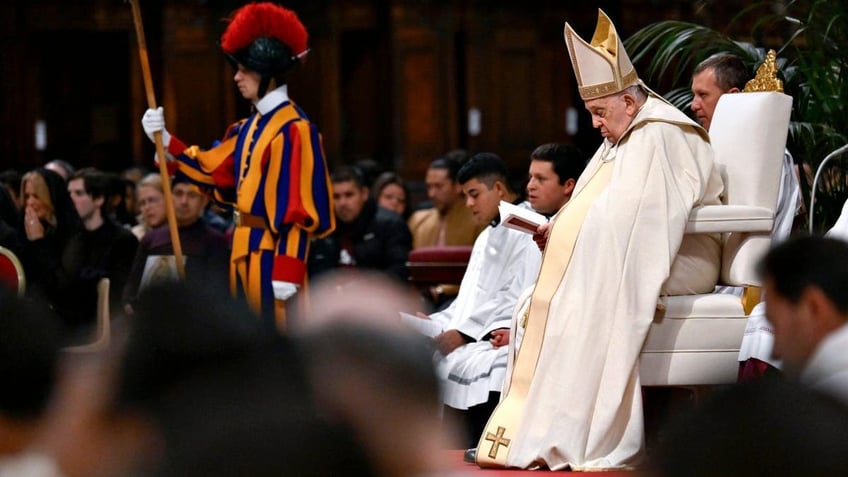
[[298, 195], [211, 170]]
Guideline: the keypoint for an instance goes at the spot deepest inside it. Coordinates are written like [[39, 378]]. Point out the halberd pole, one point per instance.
[[157, 139]]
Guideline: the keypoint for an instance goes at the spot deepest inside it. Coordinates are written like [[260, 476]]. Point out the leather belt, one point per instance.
[[243, 219]]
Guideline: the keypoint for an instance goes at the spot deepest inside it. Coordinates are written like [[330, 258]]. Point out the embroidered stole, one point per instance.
[[495, 442]]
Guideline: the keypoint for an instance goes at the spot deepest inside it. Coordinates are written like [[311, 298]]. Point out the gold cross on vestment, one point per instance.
[[497, 441]]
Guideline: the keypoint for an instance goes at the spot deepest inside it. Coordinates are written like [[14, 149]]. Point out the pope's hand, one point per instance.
[[541, 236], [154, 120]]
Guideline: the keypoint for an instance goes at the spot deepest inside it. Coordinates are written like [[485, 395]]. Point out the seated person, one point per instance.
[[206, 250], [447, 222], [554, 170], [572, 396], [807, 304], [391, 192], [102, 248], [48, 221], [151, 205], [29, 357], [366, 236], [503, 263], [763, 419]]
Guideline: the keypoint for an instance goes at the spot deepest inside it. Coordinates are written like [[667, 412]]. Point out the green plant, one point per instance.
[[810, 37]]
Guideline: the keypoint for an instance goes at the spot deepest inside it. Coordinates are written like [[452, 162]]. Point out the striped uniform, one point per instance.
[[272, 167]]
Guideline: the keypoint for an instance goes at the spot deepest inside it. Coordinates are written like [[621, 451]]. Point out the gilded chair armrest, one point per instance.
[[730, 218]]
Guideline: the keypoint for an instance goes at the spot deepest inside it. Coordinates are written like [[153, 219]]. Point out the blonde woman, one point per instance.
[[49, 219], [48, 211], [151, 205]]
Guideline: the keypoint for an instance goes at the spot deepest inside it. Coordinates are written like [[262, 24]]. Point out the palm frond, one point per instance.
[[681, 98], [813, 63]]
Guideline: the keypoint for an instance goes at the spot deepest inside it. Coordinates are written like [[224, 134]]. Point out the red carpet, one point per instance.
[[455, 456]]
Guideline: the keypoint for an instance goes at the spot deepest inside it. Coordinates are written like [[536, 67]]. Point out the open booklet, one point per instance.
[[519, 218], [159, 268], [424, 326]]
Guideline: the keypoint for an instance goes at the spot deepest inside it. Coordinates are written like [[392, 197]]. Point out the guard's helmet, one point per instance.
[[266, 38]]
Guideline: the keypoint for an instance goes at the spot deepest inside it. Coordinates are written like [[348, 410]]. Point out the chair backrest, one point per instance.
[[438, 265], [748, 134], [11, 271], [102, 335]]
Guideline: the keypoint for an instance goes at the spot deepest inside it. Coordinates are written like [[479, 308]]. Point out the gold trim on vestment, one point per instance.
[[605, 45], [606, 89], [506, 418]]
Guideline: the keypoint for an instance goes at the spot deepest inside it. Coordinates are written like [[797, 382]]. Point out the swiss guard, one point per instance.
[[269, 167]]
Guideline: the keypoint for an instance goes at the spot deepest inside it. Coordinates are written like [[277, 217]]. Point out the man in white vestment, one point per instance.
[[725, 73], [572, 396], [554, 170], [806, 279], [503, 263]]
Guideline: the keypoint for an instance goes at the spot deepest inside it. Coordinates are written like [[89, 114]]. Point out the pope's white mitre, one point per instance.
[[601, 67]]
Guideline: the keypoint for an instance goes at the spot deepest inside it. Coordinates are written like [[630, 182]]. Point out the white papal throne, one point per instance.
[[696, 340]]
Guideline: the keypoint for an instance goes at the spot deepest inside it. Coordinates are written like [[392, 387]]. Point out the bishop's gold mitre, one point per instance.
[[601, 67]]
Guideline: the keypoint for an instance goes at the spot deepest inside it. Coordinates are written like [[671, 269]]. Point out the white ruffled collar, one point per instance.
[[270, 101]]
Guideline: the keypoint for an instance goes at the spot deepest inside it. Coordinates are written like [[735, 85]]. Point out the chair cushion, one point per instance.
[[696, 267], [712, 322], [688, 369], [8, 274], [443, 254], [696, 342]]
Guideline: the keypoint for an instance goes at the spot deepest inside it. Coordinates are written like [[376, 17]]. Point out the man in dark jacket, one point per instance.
[[100, 248], [206, 250], [366, 236]]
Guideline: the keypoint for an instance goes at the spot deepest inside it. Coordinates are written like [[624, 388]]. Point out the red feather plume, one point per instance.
[[257, 20]]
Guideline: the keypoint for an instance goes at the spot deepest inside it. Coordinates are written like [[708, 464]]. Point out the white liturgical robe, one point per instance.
[[572, 397], [827, 369], [758, 340], [503, 263]]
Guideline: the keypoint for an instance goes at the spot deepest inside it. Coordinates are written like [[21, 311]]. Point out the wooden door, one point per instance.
[[518, 84]]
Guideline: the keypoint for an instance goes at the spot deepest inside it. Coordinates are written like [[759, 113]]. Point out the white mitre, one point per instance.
[[602, 67]]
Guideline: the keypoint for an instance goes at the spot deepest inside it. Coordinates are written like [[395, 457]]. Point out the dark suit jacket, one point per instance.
[[380, 238]]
